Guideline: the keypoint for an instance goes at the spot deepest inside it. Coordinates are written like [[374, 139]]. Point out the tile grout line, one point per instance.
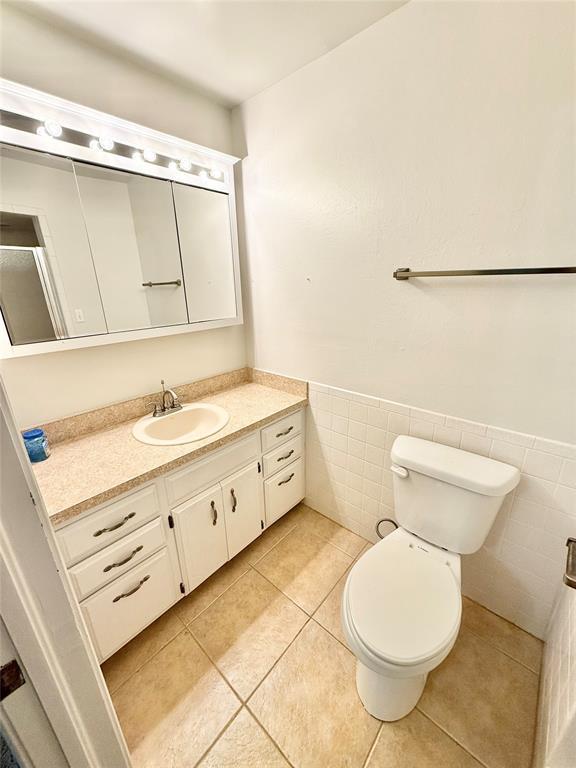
[[500, 650], [451, 737], [219, 735], [148, 658], [373, 745], [272, 739]]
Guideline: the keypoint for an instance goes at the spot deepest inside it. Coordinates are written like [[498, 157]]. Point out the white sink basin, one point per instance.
[[194, 422]]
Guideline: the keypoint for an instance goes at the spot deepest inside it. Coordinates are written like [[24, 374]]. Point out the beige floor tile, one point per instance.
[[327, 529], [329, 614], [118, 668], [173, 708], [200, 598], [247, 629], [309, 705], [512, 640], [485, 700], [304, 567], [415, 742], [244, 745], [270, 537]]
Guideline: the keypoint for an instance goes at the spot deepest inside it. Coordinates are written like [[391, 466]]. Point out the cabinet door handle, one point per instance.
[[283, 458], [131, 591], [115, 526], [234, 500], [283, 482], [126, 559], [214, 513], [286, 432]]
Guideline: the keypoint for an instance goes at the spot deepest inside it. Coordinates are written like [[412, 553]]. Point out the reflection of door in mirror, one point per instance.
[[206, 243], [43, 222], [132, 231]]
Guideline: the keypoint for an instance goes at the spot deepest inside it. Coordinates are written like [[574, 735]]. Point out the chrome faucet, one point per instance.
[[168, 404]]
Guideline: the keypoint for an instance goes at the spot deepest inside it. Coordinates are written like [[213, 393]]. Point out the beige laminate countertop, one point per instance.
[[82, 473]]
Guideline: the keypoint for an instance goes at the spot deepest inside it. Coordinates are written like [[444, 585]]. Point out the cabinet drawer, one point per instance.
[[108, 524], [284, 490], [113, 561], [281, 431], [122, 609], [276, 460], [184, 483]]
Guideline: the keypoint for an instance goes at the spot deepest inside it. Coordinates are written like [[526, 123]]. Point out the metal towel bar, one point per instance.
[[405, 273]]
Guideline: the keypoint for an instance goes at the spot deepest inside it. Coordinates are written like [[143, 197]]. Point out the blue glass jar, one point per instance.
[[36, 444]]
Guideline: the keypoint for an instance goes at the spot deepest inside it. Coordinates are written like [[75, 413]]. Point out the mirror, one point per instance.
[[90, 250], [206, 243], [132, 231], [48, 286]]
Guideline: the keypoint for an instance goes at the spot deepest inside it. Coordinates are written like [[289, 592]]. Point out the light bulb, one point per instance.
[[53, 128], [137, 155], [95, 144], [216, 173], [106, 143], [203, 174], [149, 155], [185, 164], [172, 165], [41, 131]]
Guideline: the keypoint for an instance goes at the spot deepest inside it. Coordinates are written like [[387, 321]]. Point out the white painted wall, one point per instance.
[[37, 53], [442, 136], [54, 385]]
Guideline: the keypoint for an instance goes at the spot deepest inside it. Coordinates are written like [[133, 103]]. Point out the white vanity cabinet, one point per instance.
[[131, 559]]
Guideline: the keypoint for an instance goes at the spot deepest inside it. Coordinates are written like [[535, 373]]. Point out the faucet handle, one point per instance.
[[157, 407]]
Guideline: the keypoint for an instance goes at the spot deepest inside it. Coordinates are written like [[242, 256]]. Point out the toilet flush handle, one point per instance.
[[400, 471]]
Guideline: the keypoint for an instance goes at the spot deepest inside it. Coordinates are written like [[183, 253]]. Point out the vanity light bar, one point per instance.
[[106, 144]]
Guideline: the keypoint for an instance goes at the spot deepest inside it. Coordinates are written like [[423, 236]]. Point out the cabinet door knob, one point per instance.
[[214, 513], [234, 500]]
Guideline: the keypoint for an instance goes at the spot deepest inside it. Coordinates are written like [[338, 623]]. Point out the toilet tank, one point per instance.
[[447, 496]]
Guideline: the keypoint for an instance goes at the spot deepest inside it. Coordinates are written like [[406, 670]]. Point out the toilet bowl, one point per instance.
[[401, 610], [401, 605]]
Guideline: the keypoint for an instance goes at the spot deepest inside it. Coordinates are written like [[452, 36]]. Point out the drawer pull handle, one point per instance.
[[283, 458], [234, 500], [114, 527], [283, 482], [286, 432], [131, 591], [214, 513], [126, 559]]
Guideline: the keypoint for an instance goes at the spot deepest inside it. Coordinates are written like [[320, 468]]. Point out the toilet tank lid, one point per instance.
[[454, 466]]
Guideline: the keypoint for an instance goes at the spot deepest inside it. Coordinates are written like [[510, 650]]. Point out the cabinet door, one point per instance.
[[201, 536], [207, 256], [243, 507]]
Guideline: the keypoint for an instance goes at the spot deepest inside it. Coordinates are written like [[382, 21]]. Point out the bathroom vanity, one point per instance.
[[133, 556]]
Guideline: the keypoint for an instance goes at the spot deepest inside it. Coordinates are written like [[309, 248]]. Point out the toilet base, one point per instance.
[[388, 698]]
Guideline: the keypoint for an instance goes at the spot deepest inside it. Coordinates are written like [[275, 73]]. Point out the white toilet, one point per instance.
[[401, 605]]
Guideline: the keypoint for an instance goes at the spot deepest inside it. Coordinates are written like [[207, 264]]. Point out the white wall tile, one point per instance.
[[422, 429], [518, 570], [568, 473], [398, 424], [476, 444], [508, 453], [544, 465], [447, 436]]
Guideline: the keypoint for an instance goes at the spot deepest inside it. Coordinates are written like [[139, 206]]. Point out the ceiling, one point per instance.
[[229, 49]]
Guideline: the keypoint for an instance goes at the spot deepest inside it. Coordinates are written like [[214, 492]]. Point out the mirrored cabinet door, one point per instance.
[[132, 231], [207, 256], [48, 285]]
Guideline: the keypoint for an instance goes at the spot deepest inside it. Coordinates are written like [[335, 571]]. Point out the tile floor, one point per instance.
[[252, 670]]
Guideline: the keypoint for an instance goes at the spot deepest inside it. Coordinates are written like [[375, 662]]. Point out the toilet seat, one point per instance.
[[402, 601]]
